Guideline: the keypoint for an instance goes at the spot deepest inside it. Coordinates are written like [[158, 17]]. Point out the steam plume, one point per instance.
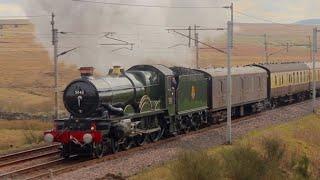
[[86, 23]]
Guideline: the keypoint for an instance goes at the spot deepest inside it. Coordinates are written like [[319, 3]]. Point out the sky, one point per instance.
[[282, 11], [11, 8]]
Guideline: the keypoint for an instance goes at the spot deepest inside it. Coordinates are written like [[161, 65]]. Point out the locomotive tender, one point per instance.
[[146, 102]]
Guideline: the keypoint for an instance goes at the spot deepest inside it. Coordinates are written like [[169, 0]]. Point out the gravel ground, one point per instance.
[[138, 161]]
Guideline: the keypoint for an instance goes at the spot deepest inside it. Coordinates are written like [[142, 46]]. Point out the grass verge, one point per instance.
[[288, 151], [16, 134]]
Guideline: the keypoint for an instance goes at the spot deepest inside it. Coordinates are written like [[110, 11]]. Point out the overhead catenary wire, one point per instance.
[[147, 6], [219, 50], [25, 16]]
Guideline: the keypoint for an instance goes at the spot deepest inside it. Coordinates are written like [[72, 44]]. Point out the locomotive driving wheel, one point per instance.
[[99, 150], [128, 143], [155, 136], [141, 139], [115, 146]]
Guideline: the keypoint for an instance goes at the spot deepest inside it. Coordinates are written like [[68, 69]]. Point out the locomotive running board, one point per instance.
[[138, 115], [147, 131]]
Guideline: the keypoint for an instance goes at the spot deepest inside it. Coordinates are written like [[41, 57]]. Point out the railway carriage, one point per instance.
[[249, 90], [317, 79], [287, 82]]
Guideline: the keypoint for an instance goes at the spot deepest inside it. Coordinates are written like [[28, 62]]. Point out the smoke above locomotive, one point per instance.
[[86, 23]]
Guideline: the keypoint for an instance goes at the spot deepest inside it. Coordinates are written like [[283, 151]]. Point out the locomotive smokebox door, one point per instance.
[[170, 94]]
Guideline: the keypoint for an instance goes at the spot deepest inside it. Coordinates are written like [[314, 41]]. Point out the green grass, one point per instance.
[[288, 151]]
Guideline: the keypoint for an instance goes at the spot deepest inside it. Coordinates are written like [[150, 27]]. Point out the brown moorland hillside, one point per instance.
[[249, 44], [26, 72]]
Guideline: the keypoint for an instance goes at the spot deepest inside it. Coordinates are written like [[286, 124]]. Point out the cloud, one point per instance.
[[11, 9], [284, 11]]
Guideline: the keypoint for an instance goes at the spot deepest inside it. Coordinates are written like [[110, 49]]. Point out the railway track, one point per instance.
[[58, 166], [39, 170], [27, 155], [12, 162]]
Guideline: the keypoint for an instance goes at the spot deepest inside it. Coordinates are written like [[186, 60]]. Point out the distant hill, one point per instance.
[[309, 22]]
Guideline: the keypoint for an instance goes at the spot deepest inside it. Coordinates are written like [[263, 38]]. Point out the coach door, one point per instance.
[[170, 94]]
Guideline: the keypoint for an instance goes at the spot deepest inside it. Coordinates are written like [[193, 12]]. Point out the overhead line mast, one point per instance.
[[314, 55], [55, 61], [229, 78]]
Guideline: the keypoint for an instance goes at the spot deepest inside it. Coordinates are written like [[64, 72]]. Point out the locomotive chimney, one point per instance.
[[116, 71], [86, 71]]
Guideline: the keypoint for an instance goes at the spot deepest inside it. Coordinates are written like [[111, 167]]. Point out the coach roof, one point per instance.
[[284, 67], [310, 65], [234, 70]]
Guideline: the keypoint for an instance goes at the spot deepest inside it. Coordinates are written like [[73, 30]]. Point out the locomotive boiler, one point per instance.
[[106, 96]]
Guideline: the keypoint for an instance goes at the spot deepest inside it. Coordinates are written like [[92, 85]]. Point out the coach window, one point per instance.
[[289, 78], [221, 87], [280, 79], [242, 83], [293, 76]]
